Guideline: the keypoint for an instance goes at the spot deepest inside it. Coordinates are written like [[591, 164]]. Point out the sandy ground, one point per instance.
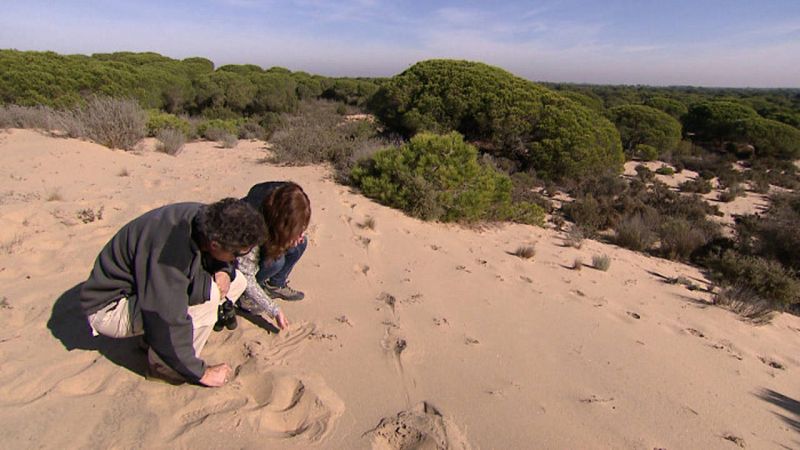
[[412, 335]]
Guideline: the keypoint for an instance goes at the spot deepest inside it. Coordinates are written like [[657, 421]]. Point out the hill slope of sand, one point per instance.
[[412, 333]]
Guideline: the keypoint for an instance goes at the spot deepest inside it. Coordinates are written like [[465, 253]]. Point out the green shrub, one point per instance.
[[769, 279], [731, 193], [680, 238], [770, 138], [641, 125], [645, 152], [717, 120], [670, 106], [699, 186], [510, 116], [439, 178], [774, 235], [644, 173], [216, 129], [589, 214], [665, 170], [158, 121]]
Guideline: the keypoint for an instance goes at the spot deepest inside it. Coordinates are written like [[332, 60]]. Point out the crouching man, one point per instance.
[[164, 275]]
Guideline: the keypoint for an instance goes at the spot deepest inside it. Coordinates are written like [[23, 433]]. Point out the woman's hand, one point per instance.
[[281, 320]]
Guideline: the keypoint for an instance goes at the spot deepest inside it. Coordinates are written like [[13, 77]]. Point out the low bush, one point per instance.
[[574, 238], [635, 233], [679, 238], [115, 123], [158, 121], [525, 252], [775, 234], [601, 262], [216, 129], [170, 141], [228, 140], [589, 214], [317, 134], [645, 152], [665, 170], [746, 303], [438, 177], [30, 117], [252, 130], [769, 279], [644, 174], [698, 186], [731, 193]]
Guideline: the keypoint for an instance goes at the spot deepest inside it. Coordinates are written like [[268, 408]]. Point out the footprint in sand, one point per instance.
[[421, 427]]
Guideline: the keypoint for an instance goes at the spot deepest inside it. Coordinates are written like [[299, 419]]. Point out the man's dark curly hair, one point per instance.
[[232, 223]]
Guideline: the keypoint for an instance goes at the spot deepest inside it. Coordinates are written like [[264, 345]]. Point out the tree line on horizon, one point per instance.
[[470, 141]]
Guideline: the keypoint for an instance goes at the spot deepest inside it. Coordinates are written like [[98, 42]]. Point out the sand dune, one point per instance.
[[412, 335]]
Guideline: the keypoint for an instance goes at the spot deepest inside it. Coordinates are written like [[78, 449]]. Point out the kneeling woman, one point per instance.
[[287, 212]]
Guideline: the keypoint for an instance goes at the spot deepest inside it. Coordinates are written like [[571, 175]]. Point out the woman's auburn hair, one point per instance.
[[287, 212]]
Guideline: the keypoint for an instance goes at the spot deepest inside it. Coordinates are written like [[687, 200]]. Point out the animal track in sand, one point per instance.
[[728, 348], [361, 268], [772, 363], [284, 344], [593, 399], [697, 333], [388, 299], [421, 427], [266, 403]]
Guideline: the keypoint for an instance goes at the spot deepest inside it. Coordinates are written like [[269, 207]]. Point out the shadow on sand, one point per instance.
[[788, 404], [68, 324]]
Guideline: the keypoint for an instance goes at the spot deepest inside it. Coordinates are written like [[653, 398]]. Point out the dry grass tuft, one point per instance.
[[170, 141], [525, 251], [55, 196], [601, 262], [368, 223], [228, 141], [746, 303], [577, 264], [574, 238]]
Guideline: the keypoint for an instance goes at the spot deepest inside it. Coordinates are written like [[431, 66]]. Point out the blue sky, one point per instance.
[[668, 42]]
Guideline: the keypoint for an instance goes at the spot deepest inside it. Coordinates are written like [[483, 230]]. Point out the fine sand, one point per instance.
[[412, 334]]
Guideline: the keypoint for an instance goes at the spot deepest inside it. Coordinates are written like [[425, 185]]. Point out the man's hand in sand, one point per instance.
[[281, 320], [216, 376], [223, 280]]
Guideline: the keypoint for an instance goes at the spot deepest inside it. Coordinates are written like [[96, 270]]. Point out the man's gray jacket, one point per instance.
[[155, 261]]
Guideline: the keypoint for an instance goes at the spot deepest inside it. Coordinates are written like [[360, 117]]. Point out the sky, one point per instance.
[[733, 43]]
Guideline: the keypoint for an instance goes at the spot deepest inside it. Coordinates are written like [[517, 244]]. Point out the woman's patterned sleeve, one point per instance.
[[248, 265]]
